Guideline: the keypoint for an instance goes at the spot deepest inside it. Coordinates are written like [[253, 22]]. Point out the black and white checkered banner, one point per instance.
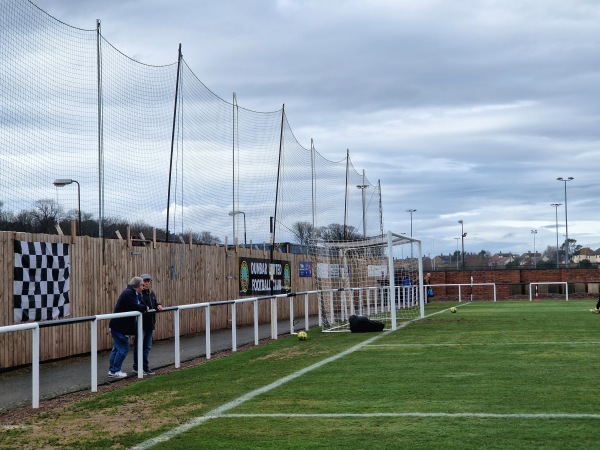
[[41, 283]]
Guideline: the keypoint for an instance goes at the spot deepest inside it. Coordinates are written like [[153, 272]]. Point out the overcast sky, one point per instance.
[[464, 110]]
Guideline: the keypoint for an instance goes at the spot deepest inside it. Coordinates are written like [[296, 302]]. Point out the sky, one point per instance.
[[463, 110]]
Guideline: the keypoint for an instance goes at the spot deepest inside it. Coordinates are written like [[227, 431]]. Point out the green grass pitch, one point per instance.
[[493, 375]]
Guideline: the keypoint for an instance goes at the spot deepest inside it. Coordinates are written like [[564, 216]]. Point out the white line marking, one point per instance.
[[415, 414], [476, 344], [444, 311], [217, 412]]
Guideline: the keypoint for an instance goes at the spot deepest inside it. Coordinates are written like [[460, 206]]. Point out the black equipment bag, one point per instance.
[[361, 324]]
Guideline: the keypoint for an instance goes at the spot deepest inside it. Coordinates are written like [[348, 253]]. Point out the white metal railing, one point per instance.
[[459, 285], [35, 326], [35, 358], [94, 343]]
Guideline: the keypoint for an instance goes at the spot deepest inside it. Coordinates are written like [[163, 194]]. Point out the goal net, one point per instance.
[[378, 277]]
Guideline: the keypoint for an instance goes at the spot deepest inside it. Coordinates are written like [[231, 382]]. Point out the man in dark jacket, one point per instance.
[[149, 322], [123, 327]]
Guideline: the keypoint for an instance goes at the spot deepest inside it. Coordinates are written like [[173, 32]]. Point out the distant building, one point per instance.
[[501, 259], [587, 253], [530, 259]]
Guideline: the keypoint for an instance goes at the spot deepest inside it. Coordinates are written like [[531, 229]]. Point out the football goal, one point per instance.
[[546, 291], [378, 277]]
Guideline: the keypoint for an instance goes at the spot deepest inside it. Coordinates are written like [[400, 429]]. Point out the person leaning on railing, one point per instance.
[[148, 298], [121, 328]]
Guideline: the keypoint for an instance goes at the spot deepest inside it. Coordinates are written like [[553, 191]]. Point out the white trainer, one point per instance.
[[118, 374]]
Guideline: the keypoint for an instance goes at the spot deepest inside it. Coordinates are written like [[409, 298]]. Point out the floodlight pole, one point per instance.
[[457, 253], [567, 260], [556, 205], [534, 232], [462, 235], [411, 211]]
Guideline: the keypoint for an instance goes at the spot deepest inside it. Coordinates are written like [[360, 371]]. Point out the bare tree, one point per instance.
[[574, 249], [23, 221], [6, 217], [303, 231], [550, 254], [46, 214], [205, 237], [337, 232]]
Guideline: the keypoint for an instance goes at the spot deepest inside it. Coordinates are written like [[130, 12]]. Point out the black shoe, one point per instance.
[[149, 372]]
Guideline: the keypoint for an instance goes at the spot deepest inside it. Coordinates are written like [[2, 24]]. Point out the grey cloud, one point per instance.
[[468, 108]]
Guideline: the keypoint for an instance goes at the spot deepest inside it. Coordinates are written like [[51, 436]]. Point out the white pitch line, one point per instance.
[[444, 311], [217, 412], [416, 414], [489, 344]]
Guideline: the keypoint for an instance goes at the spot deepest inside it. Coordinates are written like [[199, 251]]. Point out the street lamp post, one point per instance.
[[556, 205], [566, 221], [534, 232], [411, 211], [457, 253], [63, 182], [234, 213], [463, 235]]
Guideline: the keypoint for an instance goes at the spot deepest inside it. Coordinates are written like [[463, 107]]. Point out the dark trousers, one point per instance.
[[146, 346]]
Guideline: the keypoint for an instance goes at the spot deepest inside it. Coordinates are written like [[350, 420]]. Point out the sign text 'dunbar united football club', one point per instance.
[[256, 276]]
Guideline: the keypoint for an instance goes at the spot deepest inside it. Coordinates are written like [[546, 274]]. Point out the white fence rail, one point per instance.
[[460, 285], [35, 358], [35, 327]]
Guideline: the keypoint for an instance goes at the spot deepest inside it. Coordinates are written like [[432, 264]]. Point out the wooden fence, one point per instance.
[[183, 273]]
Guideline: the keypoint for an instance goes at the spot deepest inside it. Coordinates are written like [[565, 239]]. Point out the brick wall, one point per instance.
[[515, 282]]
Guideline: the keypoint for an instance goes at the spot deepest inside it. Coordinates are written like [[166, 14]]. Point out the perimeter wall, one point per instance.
[[514, 283]]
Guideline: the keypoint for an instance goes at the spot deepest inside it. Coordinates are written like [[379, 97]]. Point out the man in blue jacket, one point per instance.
[[123, 327]]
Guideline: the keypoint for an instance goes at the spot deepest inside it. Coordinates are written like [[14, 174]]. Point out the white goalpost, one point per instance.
[[534, 287], [378, 277]]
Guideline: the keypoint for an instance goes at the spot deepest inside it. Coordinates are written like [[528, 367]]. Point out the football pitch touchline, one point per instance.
[[416, 414], [489, 344], [218, 412]]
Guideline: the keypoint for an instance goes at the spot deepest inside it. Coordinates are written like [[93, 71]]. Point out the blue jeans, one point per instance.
[[146, 346], [119, 351]]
